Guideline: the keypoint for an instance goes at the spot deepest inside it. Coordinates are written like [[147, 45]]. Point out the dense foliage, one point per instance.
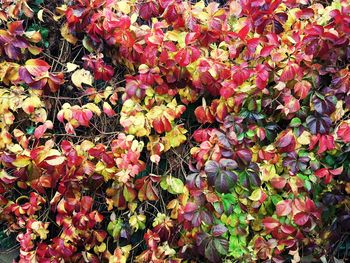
[[170, 131]]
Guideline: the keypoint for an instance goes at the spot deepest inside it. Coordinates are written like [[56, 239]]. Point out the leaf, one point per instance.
[[318, 123], [225, 181], [270, 223], [6, 178], [36, 67], [176, 186], [82, 76], [256, 195], [301, 218], [108, 109], [114, 228], [40, 130], [124, 6], [21, 161], [219, 230], [302, 89], [221, 245], [172, 185], [56, 160], [87, 44], [235, 8], [71, 67], [284, 208], [67, 35], [40, 15], [326, 105], [93, 108], [304, 138], [211, 253]]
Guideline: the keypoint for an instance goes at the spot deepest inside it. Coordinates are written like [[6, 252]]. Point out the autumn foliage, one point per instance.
[[175, 131]]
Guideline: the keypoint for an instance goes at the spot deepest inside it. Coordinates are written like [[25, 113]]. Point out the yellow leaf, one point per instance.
[[339, 111], [268, 171], [29, 104], [56, 161], [304, 138], [124, 7], [133, 18], [40, 229], [82, 76], [176, 136], [86, 145], [126, 250], [256, 195], [40, 115], [15, 148], [40, 15], [71, 67], [93, 107], [21, 161], [235, 9], [172, 35], [34, 50], [67, 35], [101, 248]]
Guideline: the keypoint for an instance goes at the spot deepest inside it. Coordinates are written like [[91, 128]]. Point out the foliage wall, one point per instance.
[[170, 131]]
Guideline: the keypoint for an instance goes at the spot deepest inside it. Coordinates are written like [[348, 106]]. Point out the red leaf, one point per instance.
[[343, 132], [201, 135], [36, 66], [190, 207], [302, 88], [287, 229], [320, 173], [284, 208], [204, 115], [243, 32], [185, 56], [85, 204], [16, 27], [270, 223], [245, 155], [301, 218], [40, 130], [278, 182], [286, 141], [336, 171]]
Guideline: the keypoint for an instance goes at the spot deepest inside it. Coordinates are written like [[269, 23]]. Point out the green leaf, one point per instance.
[[176, 186], [308, 185], [38, 2], [275, 199], [88, 44], [295, 122], [172, 185], [218, 244], [30, 130], [164, 185], [250, 133], [114, 228]]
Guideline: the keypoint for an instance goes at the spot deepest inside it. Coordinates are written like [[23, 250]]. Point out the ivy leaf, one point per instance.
[[219, 230], [30, 130], [325, 105], [82, 76], [284, 208], [301, 218], [36, 67], [318, 123], [172, 185]]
